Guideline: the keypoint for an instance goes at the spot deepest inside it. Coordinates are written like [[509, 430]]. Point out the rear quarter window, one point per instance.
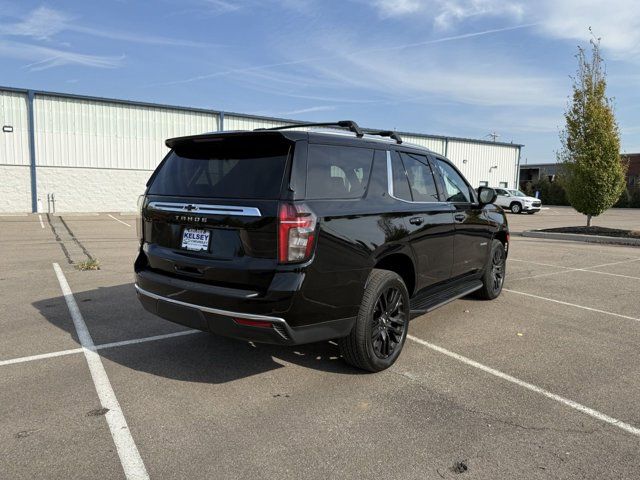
[[337, 171]]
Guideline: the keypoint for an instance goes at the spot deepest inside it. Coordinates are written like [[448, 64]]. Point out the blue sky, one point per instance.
[[449, 67]]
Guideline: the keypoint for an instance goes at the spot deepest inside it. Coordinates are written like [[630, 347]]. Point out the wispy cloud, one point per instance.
[[222, 6], [447, 13], [421, 78], [353, 52], [41, 24], [617, 21], [44, 23], [136, 38], [43, 58], [398, 8], [322, 108]]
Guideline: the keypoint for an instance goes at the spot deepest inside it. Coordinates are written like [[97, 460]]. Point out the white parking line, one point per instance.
[[572, 305], [565, 401], [41, 222], [102, 346], [118, 220], [571, 269], [130, 459], [42, 356]]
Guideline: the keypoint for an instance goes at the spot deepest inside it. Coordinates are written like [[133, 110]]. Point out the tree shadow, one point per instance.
[[114, 314]]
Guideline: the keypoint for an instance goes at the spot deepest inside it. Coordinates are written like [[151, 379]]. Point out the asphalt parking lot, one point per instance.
[[541, 383]]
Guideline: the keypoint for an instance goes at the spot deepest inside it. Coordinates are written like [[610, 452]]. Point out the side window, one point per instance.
[[400, 181], [456, 189], [337, 172], [501, 192], [421, 181]]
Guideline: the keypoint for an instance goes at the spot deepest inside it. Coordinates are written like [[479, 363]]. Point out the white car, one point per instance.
[[516, 201]]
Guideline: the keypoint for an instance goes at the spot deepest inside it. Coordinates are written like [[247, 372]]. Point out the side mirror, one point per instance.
[[486, 195]]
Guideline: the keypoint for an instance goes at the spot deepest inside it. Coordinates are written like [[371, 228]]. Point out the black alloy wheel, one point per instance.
[[494, 273], [497, 269], [381, 327], [389, 322]]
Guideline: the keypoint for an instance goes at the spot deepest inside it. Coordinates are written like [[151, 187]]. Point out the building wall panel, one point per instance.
[[477, 161], [434, 144], [97, 134], [233, 122], [15, 188], [14, 146], [91, 189]]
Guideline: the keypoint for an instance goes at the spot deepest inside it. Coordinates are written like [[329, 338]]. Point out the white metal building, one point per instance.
[[95, 154]]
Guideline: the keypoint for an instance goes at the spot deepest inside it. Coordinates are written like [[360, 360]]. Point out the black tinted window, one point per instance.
[[423, 185], [456, 189], [400, 181], [231, 168], [337, 172]]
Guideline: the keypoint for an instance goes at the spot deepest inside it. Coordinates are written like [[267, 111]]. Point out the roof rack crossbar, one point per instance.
[[348, 124], [386, 133]]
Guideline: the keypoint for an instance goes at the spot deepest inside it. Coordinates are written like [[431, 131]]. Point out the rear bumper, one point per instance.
[[231, 323]]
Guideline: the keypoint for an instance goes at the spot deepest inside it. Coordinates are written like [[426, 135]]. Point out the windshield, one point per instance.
[[517, 193]]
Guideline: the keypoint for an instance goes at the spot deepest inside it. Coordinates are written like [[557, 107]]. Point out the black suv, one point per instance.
[[291, 237]]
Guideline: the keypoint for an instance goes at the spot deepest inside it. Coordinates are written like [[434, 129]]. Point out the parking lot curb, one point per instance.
[[576, 237]]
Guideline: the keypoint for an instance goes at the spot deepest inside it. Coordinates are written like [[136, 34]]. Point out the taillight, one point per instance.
[[140, 221], [296, 232]]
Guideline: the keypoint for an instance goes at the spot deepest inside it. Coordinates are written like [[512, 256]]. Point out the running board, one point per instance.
[[427, 303]]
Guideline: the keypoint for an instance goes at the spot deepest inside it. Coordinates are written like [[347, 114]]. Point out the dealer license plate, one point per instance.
[[196, 240]]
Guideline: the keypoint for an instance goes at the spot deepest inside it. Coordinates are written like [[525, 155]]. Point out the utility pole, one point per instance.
[[493, 135]]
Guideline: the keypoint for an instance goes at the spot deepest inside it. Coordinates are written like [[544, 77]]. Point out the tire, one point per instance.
[[515, 208], [494, 273], [377, 337]]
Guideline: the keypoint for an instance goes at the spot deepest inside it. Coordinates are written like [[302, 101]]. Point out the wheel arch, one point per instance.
[[503, 236], [403, 265]]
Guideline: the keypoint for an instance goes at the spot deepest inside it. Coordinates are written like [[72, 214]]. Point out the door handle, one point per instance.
[[459, 217], [416, 220]]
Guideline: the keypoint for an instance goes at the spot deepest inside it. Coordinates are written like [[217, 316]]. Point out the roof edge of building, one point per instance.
[[233, 114]]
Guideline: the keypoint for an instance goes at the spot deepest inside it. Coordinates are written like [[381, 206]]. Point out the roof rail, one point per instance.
[[386, 133], [348, 124]]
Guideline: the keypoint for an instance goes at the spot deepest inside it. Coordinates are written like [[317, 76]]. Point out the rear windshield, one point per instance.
[[338, 172], [240, 167]]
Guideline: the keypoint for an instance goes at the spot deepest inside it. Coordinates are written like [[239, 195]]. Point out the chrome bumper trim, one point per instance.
[[216, 311]]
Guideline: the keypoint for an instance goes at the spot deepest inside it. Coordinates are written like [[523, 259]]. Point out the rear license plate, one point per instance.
[[194, 239]]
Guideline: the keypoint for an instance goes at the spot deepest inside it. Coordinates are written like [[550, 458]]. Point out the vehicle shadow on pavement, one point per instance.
[[114, 314]]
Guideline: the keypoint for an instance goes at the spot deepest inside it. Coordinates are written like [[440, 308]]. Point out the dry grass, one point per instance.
[[91, 264]]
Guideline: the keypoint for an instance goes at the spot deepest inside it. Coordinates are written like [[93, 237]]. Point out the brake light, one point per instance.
[[296, 232]]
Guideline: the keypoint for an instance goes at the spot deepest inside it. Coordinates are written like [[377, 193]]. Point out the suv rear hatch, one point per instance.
[[211, 210]]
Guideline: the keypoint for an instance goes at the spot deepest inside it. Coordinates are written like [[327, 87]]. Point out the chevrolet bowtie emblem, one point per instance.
[[190, 208]]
